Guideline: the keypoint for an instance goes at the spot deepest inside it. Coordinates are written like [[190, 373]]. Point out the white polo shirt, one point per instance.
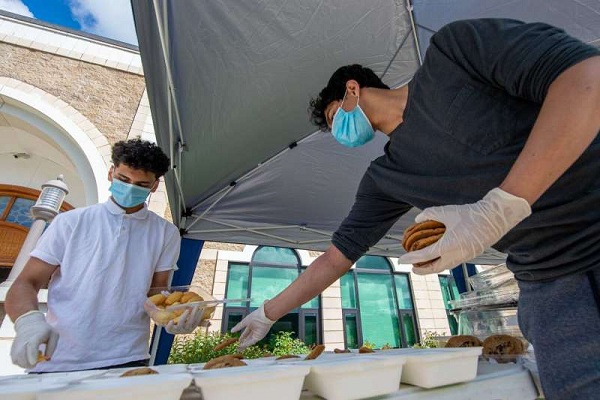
[[106, 261]]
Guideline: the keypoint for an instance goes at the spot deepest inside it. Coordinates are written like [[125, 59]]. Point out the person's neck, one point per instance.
[[384, 107], [128, 210]]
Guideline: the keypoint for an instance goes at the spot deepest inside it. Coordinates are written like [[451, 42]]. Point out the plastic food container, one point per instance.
[[275, 382], [26, 390], [164, 387], [430, 368], [505, 295], [168, 310], [491, 278], [354, 377], [486, 322]]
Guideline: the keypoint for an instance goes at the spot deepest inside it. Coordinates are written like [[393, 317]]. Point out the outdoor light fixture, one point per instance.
[[50, 200]]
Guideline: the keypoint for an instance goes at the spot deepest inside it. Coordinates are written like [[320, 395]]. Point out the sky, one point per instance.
[[108, 18]]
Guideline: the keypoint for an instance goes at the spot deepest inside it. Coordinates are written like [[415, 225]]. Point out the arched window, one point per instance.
[[377, 305], [271, 270], [15, 221]]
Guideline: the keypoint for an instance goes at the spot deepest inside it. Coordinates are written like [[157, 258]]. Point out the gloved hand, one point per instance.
[[470, 229], [188, 321], [32, 331], [256, 325]]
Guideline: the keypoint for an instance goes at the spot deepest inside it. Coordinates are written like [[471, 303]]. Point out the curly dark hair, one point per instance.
[[336, 87], [141, 154]]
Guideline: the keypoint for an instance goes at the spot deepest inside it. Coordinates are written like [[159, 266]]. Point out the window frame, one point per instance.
[[247, 309]]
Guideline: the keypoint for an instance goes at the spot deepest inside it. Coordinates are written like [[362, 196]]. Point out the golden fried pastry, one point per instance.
[[158, 299], [139, 371], [41, 357], [341, 351], [190, 296], [463, 341], [364, 349], [503, 348], [316, 352], [226, 361], [225, 343], [421, 235], [173, 298], [286, 356]]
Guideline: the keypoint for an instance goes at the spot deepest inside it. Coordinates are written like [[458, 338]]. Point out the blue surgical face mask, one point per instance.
[[127, 195], [351, 128]]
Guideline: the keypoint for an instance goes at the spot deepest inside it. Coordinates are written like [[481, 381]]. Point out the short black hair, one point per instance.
[[140, 154], [336, 87]]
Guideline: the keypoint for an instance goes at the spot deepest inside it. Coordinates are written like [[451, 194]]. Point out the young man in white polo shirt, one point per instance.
[[101, 261]]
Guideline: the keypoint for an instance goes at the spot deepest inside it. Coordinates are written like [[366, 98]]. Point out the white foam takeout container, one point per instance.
[[350, 378], [430, 368], [160, 386], [272, 382]]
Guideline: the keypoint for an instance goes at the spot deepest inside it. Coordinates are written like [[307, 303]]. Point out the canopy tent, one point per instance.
[[229, 85]]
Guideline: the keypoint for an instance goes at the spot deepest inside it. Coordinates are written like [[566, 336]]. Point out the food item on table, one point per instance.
[[316, 352], [225, 343], [340, 351], [164, 316], [421, 235], [287, 356], [463, 341], [139, 371], [157, 299], [226, 361], [365, 349], [502, 348], [189, 297]]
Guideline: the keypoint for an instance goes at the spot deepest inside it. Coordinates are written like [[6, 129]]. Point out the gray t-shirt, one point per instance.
[[470, 109]]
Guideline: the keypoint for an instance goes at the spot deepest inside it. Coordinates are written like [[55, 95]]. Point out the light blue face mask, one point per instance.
[[351, 128], [127, 195]]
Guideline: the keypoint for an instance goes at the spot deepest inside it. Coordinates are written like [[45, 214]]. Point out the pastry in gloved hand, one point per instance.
[[470, 229], [421, 235], [32, 331], [256, 325]]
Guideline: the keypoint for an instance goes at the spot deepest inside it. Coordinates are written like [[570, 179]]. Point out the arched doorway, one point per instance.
[[15, 221]]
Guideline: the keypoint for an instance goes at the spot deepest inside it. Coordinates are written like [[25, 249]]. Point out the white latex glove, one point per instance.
[[256, 325], [470, 229], [32, 331], [188, 321]]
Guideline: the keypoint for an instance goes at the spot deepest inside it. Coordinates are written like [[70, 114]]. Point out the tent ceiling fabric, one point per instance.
[[242, 74]]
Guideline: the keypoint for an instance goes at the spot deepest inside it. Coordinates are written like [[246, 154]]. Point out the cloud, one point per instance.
[[109, 18], [16, 6]]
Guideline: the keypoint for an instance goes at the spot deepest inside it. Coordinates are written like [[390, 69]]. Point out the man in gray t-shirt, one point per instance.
[[496, 136]]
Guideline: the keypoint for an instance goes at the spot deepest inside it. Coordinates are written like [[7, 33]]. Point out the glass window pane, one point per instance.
[[310, 329], [237, 284], [3, 202], [348, 290], [267, 282], [378, 313], [373, 262], [233, 318], [351, 331], [19, 212], [403, 292], [287, 323], [275, 255], [409, 329]]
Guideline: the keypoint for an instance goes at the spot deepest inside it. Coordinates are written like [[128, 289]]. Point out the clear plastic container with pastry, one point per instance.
[[168, 304]]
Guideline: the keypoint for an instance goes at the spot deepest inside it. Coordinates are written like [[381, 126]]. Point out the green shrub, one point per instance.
[[369, 345], [283, 343], [199, 348], [428, 341]]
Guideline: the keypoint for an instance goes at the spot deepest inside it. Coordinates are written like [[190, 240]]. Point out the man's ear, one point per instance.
[[110, 173], [353, 88], [155, 186]]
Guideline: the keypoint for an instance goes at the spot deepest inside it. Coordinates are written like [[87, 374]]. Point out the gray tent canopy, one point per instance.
[[229, 84]]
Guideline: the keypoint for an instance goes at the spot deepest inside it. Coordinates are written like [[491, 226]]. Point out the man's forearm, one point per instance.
[[325, 270], [568, 122], [21, 298]]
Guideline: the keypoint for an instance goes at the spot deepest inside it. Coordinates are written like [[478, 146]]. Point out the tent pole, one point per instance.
[[409, 7]]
